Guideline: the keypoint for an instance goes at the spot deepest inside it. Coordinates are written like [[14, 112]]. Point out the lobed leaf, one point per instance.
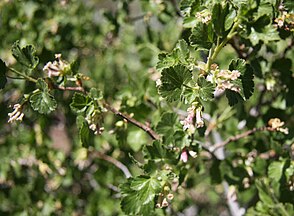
[[43, 102], [202, 36], [79, 102], [173, 78], [206, 89], [25, 55], [139, 194]]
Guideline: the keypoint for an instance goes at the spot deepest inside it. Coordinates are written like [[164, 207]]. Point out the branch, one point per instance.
[[240, 136], [138, 124], [112, 160], [69, 88], [144, 127]]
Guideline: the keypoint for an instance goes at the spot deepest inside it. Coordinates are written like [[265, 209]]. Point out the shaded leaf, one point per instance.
[[3, 70], [79, 103], [202, 36], [275, 170], [25, 55], [167, 126]]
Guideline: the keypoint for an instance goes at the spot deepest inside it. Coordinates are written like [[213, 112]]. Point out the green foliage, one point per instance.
[[41, 100], [139, 194], [173, 79], [134, 111], [25, 55]]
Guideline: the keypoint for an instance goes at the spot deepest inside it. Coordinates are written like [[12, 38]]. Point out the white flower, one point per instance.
[[199, 118], [57, 68], [188, 122], [235, 74], [158, 82], [16, 115]]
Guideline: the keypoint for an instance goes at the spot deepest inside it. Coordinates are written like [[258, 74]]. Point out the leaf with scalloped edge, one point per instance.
[[25, 55], [206, 89], [79, 102], [139, 194], [172, 80], [42, 101]]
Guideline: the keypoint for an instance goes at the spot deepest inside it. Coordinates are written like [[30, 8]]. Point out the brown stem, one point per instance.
[[70, 88], [144, 127], [112, 160], [240, 136]]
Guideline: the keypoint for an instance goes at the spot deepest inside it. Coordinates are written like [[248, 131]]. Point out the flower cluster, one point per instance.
[[185, 155], [164, 197], [94, 121], [277, 124], [204, 16], [286, 21], [58, 68], [193, 118], [17, 114], [223, 79]]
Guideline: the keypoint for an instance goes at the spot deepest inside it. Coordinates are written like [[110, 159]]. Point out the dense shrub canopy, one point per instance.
[[148, 107]]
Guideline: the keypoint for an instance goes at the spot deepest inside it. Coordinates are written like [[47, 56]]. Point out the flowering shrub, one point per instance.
[[159, 107]]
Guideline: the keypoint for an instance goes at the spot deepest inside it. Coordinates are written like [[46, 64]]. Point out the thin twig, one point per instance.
[[69, 88], [115, 162], [240, 136], [144, 127]]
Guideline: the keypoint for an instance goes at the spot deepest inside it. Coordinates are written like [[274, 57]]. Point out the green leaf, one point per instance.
[[3, 70], [275, 170], [167, 126], [85, 135], [238, 64], [229, 20], [202, 36], [188, 95], [218, 18], [139, 194], [266, 35], [136, 139], [263, 193], [206, 89], [155, 151], [25, 55], [96, 94], [179, 54], [247, 82], [172, 80], [79, 103], [233, 97], [244, 82], [42, 101]]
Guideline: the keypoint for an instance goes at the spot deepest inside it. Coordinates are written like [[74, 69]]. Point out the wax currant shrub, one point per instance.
[[253, 31], [243, 151]]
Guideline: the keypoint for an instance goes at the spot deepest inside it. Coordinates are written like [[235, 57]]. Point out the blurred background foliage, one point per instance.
[[45, 170]]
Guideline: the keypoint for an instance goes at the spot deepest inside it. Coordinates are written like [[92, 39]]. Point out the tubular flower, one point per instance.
[[16, 115], [199, 118], [94, 121], [58, 68], [188, 122]]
